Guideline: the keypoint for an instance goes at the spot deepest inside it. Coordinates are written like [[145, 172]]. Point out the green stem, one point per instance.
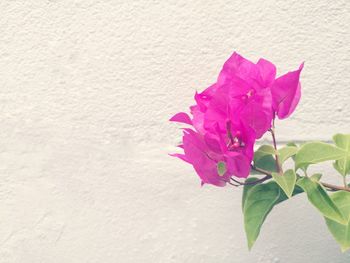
[[278, 165], [268, 176], [335, 187]]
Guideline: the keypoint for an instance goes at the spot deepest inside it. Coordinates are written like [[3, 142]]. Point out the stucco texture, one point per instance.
[[86, 89]]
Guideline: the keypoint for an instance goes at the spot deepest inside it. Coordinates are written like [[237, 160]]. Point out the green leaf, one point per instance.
[[292, 144], [286, 181], [259, 201], [340, 232], [266, 163], [221, 167], [263, 151], [246, 188], [286, 152], [343, 165], [316, 177], [316, 152], [319, 197], [304, 168]]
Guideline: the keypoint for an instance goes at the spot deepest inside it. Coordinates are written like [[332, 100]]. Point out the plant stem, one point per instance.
[[272, 130], [260, 170], [258, 181], [335, 187], [268, 176]]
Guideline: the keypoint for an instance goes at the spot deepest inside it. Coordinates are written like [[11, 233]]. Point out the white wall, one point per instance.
[[86, 88]]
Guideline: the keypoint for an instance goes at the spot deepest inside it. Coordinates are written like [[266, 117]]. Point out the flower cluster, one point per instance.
[[230, 115]]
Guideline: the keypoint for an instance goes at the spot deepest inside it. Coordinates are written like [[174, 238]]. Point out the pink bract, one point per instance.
[[205, 153], [232, 113], [286, 93]]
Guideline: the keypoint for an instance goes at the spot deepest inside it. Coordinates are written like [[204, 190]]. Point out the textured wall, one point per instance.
[[86, 88]]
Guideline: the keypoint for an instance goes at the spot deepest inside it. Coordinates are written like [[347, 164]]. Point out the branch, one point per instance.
[[272, 130], [335, 187], [268, 176], [267, 173], [251, 183], [260, 170], [258, 181]]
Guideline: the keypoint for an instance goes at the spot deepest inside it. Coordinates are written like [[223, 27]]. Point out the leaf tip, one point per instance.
[[250, 245], [344, 248]]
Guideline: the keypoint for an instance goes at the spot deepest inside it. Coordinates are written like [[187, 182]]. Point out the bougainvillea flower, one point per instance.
[[247, 85], [181, 117], [205, 155], [238, 138], [232, 113], [217, 112], [267, 72], [286, 92], [238, 68], [257, 112]]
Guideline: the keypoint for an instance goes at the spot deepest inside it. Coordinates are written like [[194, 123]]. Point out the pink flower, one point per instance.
[[232, 113], [181, 117], [205, 153], [199, 110], [248, 87], [232, 146], [286, 92], [263, 95]]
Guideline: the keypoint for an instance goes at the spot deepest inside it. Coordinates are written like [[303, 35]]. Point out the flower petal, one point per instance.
[[267, 72], [202, 160], [286, 92], [238, 67], [238, 165], [181, 117], [204, 97]]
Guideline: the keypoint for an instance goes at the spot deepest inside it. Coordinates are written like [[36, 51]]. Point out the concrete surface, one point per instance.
[[86, 88]]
